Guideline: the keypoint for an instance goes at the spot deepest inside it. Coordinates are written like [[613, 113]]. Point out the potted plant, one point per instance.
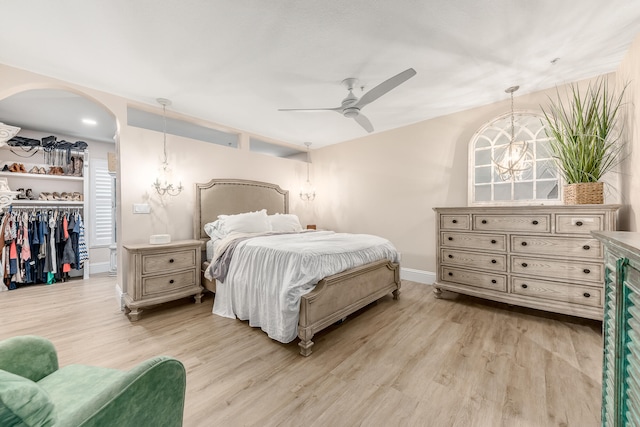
[[584, 139]]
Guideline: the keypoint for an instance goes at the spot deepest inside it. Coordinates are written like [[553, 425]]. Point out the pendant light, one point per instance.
[[163, 185], [308, 192], [512, 161]]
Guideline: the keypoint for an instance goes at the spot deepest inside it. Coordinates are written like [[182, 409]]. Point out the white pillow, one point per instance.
[[285, 222], [214, 229], [250, 222]]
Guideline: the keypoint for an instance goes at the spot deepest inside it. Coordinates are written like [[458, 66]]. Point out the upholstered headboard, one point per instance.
[[234, 196]]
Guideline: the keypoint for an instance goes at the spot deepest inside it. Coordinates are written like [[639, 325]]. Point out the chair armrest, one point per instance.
[[28, 356], [152, 393]]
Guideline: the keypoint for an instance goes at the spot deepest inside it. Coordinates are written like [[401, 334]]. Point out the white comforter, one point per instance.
[[269, 274]]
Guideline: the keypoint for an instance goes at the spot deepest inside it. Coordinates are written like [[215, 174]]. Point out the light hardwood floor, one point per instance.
[[417, 361]]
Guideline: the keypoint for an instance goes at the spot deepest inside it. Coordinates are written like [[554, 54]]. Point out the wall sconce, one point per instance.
[[163, 186], [308, 192]]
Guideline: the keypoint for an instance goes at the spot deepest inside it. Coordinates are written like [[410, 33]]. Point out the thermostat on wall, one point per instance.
[[160, 239]]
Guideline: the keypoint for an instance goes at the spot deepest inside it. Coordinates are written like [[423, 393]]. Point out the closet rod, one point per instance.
[[32, 207]]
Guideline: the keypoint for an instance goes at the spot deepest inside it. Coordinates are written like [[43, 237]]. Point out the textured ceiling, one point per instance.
[[237, 62]]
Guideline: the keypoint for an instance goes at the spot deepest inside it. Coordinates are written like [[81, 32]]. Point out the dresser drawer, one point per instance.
[[578, 224], [557, 291], [156, 285], [522, 223], [496, 282], [495, 242], [494, 262], [454, 222], [156, 263], [562, 270], [557, 246]]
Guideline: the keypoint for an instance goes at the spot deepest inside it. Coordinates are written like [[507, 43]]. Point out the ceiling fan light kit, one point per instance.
[[351, 106]]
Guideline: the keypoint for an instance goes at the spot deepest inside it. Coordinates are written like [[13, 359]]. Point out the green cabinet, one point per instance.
[[621, 329]]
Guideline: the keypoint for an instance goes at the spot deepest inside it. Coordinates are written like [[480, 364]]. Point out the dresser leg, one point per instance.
[[134, 315], [198, 298], [437, 292]]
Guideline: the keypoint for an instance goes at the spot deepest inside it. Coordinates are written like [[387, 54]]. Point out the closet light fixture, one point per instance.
[[308, 192], [162, 184], [514, 159]]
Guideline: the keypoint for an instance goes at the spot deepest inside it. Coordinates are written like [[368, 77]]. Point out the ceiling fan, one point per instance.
[[352, 105]]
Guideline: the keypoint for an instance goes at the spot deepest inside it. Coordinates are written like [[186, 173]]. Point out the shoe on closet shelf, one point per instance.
[[77, 197], [42, 171], [29, 194], [21, 195], [45, 196], [6, 168], [34, 170]]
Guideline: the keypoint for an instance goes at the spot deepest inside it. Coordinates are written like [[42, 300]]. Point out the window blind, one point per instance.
[[101, 203]]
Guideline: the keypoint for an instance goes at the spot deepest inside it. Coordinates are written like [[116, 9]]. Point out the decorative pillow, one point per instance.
[[24, 402], [249, 222], [214, 229], [285, 222]]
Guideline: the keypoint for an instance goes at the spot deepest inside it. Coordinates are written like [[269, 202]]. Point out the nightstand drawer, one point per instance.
[[559, 269], [579, 224], [494, 262], [521, 223], [496, 282], [557, 291], [173, 261], [557, 246], [156, 285], [496, 242]]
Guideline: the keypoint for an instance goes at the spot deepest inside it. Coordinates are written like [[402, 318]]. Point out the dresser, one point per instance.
[[161, 273], [621, 329], [542, 257]]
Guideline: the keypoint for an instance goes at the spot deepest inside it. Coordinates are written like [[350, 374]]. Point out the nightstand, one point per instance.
[[161, 273]]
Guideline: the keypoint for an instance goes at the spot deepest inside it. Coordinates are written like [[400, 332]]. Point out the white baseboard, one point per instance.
[[99, 267], [420, 276], [119, 298]]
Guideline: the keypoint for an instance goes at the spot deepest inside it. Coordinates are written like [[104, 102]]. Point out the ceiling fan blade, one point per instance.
[[364, 122], [385, 87], [339, 109]]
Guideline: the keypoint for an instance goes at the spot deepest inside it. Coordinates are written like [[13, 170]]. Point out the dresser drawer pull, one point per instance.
[[450, 256], [455, 221], [484, 221], [450, 274], [524, 264], [493, 261], [586, 271], [586, 247], [171, 281], [524, 243], [534, 222], [579, 223], [171, 260], [494, 281], [586, 294], [450, 238], [494, 241], [524, 286]]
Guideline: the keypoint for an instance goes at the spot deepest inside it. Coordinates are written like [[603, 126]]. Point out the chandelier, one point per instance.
[[162, 184], [515, 158], [308, 192]]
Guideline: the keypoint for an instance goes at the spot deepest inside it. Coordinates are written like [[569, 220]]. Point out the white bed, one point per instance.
[[320, 290]]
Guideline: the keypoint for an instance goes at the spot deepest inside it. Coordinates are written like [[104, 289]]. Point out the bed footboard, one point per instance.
[[337, 296]]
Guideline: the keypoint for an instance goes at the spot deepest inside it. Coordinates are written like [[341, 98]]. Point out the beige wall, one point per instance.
[[629, 72]]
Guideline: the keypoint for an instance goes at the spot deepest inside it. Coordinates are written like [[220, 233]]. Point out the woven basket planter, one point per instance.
[[584, 193]]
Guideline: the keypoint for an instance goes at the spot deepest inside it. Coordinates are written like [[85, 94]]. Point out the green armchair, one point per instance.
[[35, 392]]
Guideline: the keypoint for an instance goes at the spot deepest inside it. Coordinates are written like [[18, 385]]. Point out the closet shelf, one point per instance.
[[22, 202], [41, 176]]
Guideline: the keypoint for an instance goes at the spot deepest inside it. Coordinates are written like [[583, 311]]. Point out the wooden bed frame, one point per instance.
[[334, 297]]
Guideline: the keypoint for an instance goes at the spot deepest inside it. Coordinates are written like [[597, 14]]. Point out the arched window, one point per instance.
[[538, 185]]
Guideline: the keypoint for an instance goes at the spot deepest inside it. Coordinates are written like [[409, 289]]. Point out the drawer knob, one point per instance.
[[586, 271], [494, 281], [484, 221], [171, 281], [455, 221], [450, 274], [494, 241], [586, 247], [524, 286], [171, 260], [493, 261], [450, 256], [579, 223], [524, 243], [534, 222], [450, 238], [586, 294], [524, 264]]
